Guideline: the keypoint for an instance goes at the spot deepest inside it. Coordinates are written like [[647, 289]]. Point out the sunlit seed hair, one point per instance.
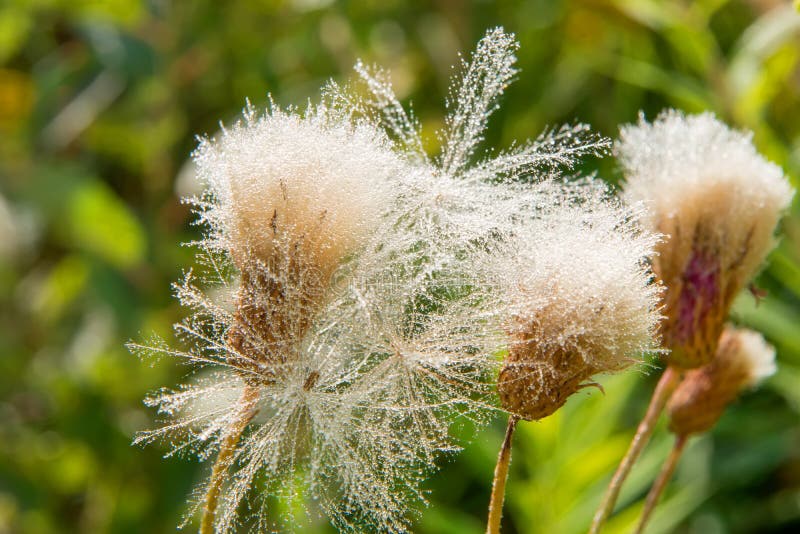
[[743, 359], [582, 302], [717, 202], [467, 192]]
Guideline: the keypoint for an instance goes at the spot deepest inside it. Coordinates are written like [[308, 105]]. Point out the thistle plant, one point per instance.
[[582, 303], [492, 204], [717, 202], [289, 199], [332, 360], [341, 321], [743, 360]]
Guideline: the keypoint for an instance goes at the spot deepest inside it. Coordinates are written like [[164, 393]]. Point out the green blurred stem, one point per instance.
[[666, 385], [661, 482], [499, 483], [244, 413]]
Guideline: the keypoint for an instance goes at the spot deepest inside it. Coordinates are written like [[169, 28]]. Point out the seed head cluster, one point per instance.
[[717, 202], [356, 296]]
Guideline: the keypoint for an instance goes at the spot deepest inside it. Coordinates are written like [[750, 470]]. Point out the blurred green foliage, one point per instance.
[[99, 103]]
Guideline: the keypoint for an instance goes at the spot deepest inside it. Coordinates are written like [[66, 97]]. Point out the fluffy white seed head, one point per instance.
[[279, 183], [717, 202], [582, 300], [691, 168], [289, 198]]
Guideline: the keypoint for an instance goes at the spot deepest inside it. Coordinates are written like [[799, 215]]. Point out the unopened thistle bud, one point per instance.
[[743, 359], [583, 304], [717, 202]]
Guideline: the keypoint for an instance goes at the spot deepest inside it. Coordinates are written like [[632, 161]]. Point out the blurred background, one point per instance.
[[99, 105]]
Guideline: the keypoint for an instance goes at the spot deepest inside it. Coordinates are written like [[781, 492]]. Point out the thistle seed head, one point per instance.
[[717, 202], [742, 360], [582, 302], [296, 192], [288, 198]]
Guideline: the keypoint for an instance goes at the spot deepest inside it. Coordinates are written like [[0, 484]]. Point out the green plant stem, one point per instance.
[[499, 483], [244, 413], [666, 385], [661, 482]]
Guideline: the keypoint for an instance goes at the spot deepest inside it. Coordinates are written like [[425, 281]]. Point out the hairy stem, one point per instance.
[[500, 476], [661, 482], [244, 413], [666, 385]]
